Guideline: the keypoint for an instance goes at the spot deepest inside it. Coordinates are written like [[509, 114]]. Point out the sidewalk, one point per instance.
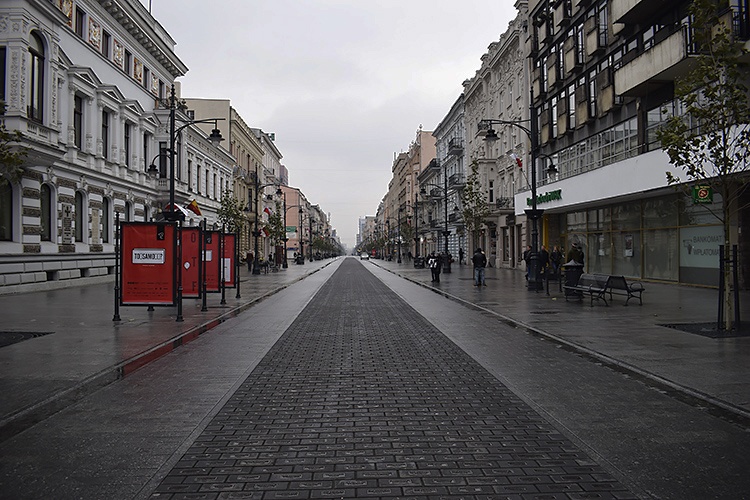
[[714, 370], [71, 346]]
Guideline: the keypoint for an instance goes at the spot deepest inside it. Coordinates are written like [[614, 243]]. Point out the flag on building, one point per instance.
[[518, 160], [265, 232], [193, 207], [268, 211]]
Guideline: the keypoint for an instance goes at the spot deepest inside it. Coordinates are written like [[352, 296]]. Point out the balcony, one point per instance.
[[668, 59], [455, 147], [504, 204], [638, 11], [456, 180]]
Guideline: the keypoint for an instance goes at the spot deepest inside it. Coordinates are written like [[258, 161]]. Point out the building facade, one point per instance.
[[80, 81], [602, 72]]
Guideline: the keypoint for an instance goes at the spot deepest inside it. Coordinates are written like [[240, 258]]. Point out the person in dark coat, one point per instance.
[[435, 264], [480, 261]]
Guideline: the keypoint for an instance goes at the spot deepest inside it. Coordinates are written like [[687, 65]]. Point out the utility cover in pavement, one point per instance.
[[8, 338]]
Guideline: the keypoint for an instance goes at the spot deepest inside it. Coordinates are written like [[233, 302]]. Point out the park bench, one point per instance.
[[618, 285], [599, 285], [593, 284]]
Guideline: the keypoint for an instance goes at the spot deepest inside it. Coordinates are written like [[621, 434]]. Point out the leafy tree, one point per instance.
[[11, 154], [230, 213], [275, 225], [475, 209], [709, 141]]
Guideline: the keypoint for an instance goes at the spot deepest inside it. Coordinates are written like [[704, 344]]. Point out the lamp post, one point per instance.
[[256, 232], [173, 214], [535, 282], [416, 225], [215, 138], [446, 232], [286, 209], [399, 234]]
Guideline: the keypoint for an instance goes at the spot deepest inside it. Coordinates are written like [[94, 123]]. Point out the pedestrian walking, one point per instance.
[[480, 261], [543, 260], [249, 259], [555, 259], [436, 265], [527, 259], [460, 256]]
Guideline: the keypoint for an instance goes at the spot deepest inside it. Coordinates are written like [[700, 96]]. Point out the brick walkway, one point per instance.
[[362, 397]]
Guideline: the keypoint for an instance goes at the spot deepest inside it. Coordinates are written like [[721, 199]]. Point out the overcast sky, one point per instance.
[[344, 84]]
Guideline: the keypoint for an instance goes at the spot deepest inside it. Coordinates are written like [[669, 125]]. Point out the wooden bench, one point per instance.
[[593, 284], [618, 285]]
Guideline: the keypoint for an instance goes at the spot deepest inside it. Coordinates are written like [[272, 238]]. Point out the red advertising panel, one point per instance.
[[191, 276], [212, 260], [230, 254], [148, 263]]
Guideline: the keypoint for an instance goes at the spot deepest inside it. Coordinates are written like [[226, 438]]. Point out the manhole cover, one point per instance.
[[8, 338], [544, 312]]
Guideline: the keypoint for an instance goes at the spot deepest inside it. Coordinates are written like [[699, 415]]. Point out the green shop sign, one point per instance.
[[703, 194], [547, 197]]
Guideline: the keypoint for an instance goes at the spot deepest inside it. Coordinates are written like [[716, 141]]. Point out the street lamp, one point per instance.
[[535, 282], [286, 264], [446, 232], [256, 232], [399, 234], [172, 214]]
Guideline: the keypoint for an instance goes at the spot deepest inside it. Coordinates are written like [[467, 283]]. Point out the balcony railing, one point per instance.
[[455, 146], [456, 180]]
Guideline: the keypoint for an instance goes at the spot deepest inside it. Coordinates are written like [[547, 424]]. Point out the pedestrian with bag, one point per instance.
[[435, 264], [480, 262]]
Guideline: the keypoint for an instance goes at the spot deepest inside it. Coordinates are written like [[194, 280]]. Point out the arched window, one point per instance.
[[6, 212], [36, 77], [106, 217], [80, 218], [46, 217]]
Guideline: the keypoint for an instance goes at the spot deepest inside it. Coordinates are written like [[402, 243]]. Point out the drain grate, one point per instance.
[[544, 312], [9, 338], [706, 330]]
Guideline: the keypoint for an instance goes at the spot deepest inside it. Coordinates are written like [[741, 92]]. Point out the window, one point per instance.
[[128, 62], [36, 78], [146, 156], [106, 215], [198, 179], [215, 197], [126, 143], [80, 22], [106, 43], [162, 160], [146, 78], [190, 175], [2, 73], [79, 217], [105, 134], [6, 212], [78, 121], [45, 200]]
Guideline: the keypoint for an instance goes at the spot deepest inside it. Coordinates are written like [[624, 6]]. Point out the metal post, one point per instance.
[[416, 225], [172, 119], [178, 271], [237, 262], [118, 245], [399, 235], [222, 278], [446, 232], [285, 264], [202, 263], [256, 233]]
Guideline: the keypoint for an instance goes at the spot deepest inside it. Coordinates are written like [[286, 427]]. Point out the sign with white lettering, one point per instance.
[[700, 246], [147, 254]]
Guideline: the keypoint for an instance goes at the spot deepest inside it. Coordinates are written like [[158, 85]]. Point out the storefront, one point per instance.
[[664, 238]]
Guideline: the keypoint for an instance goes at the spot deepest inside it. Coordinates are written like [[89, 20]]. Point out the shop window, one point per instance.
[[575, 221], [660, 254], [6, 212], [81, 219], [626, 253], [626, 216], [106, 217], [660, 212], [599, 219], [598, 258], [46, 218], [693, 214]]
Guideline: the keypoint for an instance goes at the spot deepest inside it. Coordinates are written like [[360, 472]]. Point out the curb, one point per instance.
[[26, 418], [714, 406]]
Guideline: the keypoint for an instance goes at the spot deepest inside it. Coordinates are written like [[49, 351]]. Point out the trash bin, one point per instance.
[[573, 271], [419, 262]]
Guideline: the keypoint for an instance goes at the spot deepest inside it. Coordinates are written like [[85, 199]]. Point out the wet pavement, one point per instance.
[[639, 398]]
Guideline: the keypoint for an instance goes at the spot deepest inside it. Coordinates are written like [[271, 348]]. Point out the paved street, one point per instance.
[[383, 383]]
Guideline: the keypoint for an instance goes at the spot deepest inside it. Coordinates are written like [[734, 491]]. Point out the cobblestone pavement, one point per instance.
[[363, 397]]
